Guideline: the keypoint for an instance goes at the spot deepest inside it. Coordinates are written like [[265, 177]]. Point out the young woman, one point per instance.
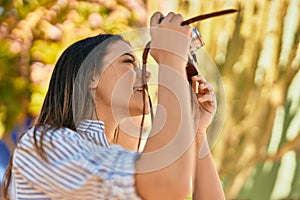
[[72, 151]]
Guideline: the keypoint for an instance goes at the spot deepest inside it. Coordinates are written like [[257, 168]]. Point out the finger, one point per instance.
[[202, 89], [206, 98], [195, 85], [199, 78], [210, 87], [178, 18], [208, 107], [154, 21], [205, 87], [169, 17]]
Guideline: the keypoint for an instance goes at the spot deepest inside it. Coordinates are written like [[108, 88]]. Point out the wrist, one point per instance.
[[172, 61], [202, 146], [173, 76], [201, 131], [169, 42], [163, 56]]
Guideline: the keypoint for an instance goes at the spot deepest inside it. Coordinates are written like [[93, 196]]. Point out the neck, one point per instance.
[[110, 124]]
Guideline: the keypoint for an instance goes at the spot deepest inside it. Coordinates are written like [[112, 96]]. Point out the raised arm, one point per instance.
[[207, 185], [166, 166], [207, 182]]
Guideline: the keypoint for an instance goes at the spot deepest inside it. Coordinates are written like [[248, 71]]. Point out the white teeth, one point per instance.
[[138, 89]]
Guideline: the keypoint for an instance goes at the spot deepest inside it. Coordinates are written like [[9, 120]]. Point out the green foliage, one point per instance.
[[258, 55], [256, 51], [10, 80], [33, 34], [44, 51]]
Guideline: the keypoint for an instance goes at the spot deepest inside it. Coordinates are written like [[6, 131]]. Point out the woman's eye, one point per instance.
[[129, 61]]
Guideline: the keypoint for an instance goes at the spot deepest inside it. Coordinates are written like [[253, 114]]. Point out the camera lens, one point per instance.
[[197, 41]]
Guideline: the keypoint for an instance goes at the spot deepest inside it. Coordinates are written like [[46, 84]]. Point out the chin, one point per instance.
[[136, 106], [139, 111]]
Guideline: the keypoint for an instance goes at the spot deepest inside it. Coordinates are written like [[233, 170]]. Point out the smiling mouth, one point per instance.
[[138, 89]]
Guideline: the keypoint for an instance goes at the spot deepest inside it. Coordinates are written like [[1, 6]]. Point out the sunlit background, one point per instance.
[[256, 51]]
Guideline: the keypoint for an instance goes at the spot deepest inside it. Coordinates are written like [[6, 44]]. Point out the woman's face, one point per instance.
[[120, 85]]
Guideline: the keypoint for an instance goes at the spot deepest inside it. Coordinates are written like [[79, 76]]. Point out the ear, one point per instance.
[[92, 87], [93, 84]]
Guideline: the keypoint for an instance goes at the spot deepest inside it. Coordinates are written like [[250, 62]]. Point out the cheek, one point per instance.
[[123, 86], [116, 86], [105, 86]]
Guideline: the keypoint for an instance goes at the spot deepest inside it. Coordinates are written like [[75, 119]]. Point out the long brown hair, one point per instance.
[[58, 107]]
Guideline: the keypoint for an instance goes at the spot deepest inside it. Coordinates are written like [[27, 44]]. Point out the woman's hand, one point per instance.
[[169, 37], [206, 101]]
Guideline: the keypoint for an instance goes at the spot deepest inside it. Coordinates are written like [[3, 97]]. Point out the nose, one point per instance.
[[139, 75]]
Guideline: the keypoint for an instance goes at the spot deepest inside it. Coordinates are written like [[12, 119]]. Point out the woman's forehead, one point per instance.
[[117, 49]]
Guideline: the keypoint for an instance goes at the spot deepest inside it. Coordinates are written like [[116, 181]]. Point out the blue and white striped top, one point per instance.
[[81, 165]]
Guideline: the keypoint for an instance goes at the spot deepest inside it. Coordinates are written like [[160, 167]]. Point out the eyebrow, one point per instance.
[[129, 54], [135, 60]]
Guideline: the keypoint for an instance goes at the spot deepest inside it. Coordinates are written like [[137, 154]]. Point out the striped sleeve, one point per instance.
[[76, 169]]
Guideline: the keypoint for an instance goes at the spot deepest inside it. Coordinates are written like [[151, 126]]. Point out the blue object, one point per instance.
[[17, 130], [4, 158]]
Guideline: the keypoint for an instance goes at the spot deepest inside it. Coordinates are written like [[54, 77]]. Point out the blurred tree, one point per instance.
[[32, 36], [257, 52]]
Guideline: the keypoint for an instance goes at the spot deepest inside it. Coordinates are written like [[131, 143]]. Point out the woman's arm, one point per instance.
[[166, 166], [207, 184]]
